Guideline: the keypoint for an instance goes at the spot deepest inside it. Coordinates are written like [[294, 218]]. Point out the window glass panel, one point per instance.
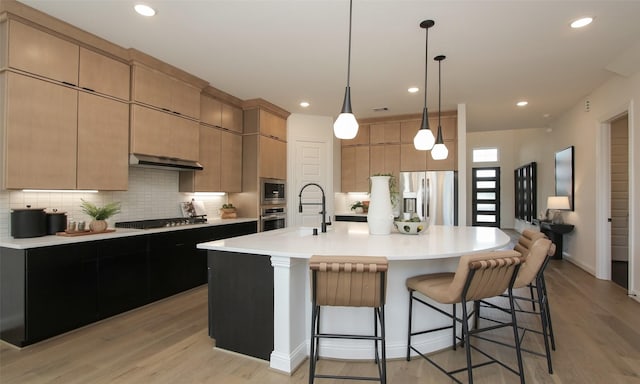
[[486, 173], [486, 184], [486, 218], [486, 196], [485, 155], [486, 207]]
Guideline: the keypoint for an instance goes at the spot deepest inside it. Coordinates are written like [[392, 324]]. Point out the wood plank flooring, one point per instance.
[[596, 325]]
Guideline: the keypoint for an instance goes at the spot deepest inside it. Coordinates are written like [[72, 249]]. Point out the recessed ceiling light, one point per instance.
[[144, 10], [413, 89], [583, 22], [304, 104], [522, 103]]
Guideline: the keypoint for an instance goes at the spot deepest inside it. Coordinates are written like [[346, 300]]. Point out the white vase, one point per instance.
[[380, 215]]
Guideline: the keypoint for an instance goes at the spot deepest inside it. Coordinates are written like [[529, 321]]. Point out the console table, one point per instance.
[[554, 232]]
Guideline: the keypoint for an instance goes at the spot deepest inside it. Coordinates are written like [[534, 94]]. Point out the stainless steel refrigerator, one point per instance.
[[430, 194]]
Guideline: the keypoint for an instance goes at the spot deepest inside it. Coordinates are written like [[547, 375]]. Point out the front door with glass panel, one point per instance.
[[486, 196]]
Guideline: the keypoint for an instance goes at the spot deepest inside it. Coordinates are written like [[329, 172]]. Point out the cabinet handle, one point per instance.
[[68, 83], [88, 89], [177, 113]]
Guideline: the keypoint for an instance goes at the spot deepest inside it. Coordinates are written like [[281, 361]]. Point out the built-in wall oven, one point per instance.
[[272, 192], [272, 218]]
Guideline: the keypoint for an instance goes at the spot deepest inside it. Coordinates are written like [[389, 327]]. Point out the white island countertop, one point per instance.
[[353, 239]]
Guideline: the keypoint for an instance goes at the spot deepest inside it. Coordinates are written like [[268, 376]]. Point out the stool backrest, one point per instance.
[[484, 275], [535, 260], [526, 240], [349, 281]]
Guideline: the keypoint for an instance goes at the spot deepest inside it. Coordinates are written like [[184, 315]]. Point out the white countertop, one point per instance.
[[353, 239], [46, 241]]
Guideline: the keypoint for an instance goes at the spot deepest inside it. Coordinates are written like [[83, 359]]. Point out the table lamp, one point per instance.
[[558, 204]]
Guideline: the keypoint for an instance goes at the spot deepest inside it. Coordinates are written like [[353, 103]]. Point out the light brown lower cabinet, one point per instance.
[[40, 131], [163, 134]]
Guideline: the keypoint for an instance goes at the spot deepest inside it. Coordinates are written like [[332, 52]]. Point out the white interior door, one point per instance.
[[310, 167]]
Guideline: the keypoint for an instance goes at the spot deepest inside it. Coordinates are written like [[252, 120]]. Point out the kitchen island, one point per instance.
[[288, 249]]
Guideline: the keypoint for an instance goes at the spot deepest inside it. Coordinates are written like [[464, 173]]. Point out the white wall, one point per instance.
[[515, 148], [585, 131]]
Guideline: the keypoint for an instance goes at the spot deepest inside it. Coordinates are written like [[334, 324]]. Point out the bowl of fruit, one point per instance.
[[411, 226]]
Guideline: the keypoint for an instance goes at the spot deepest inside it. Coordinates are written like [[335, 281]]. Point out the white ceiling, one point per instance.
[[287, 51]]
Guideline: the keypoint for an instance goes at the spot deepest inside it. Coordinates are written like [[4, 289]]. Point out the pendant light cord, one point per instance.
[[426, 59], [439, 95], [349, 54]]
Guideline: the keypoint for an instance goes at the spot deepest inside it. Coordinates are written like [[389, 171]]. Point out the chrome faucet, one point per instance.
[[323, 203]]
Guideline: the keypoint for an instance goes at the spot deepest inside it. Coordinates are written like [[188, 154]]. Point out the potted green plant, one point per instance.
[[358, 207], [228, 211], [99, 214]]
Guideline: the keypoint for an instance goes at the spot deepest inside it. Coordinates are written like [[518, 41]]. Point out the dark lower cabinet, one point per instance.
[[61, 290], [174, 265], [47, 291], [241, 303], [122, 275]]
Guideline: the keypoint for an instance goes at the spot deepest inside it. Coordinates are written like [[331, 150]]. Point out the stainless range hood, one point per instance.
[[163, 163]]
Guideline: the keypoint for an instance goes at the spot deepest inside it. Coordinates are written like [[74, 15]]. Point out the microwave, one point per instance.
[[273, 191]]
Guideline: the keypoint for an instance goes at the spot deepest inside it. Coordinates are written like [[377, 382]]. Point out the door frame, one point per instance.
[[603, 194]]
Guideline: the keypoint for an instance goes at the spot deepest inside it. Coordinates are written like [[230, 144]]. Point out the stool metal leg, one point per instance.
[[409, 327]]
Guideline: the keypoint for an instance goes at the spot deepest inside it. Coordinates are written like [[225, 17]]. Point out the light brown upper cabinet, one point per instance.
[[104, 75], [103, 143], [272, 158], [221, 158], [384, 133], [37, 52], [40, 131], [355, 169], [156, 89], [272, 125], [217, 113], [158, 133], [60, 138], [271, 145], [42, 54], [210, 110], [231, 118], [385, 159], [362, 137]]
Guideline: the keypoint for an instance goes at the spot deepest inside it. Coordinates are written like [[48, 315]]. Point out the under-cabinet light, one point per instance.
[[61, 190]]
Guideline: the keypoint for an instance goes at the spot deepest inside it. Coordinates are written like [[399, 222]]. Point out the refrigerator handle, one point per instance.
[[427, 198]]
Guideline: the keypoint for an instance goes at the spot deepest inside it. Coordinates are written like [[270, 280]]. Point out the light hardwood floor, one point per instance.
[[596, 325]]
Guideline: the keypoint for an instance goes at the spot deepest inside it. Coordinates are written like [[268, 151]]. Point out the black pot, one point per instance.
[[56, 222], [28, 222]]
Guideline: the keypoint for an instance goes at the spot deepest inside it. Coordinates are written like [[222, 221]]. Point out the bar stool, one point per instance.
[[531, 274], [348, 281], [478, 276], [525, 241]]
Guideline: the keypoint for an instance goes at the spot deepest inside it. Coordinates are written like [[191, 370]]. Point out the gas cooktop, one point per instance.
[[161, 223]]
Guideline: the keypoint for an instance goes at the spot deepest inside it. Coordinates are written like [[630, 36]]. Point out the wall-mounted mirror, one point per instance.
[[564, 174]]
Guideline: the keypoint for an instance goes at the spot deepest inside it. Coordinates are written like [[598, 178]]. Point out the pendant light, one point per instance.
[[346, 126], [424, 139], [439, 150]]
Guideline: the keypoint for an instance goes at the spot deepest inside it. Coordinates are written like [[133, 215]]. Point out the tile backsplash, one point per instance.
[[152, 194]]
